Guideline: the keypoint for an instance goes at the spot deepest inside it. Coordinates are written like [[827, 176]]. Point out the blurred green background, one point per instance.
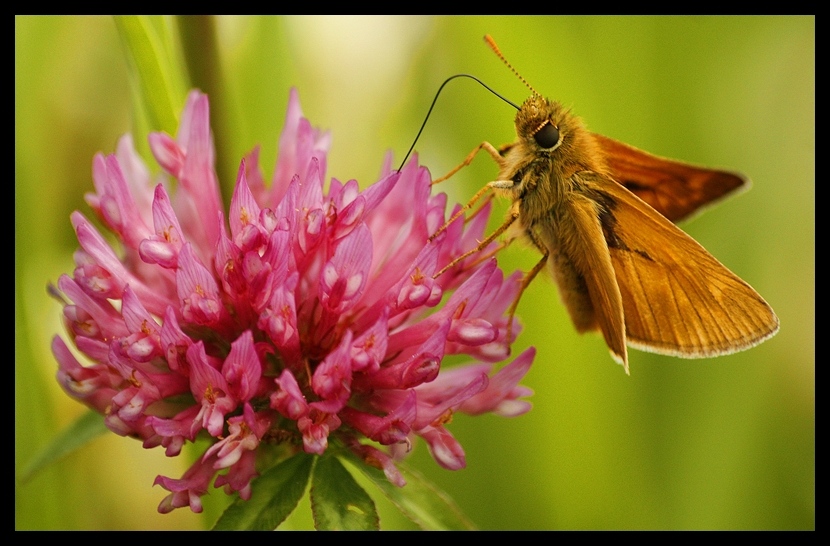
[[727, 443]]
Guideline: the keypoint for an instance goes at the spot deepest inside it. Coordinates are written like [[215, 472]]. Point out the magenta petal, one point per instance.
[[315, 428], [445, 448], [242, 368], [116, 202], [210, 388], [346, 274], [188, 490], [93, 386], [502, 393], [333, 378], [198, 293], [289, 399], [163, 247], [433, 404], [197, 175], [244, 213], [417, 365], [299, 142], [394, 427], [369, 349], [472, 331], [167, 152], [378, 459]]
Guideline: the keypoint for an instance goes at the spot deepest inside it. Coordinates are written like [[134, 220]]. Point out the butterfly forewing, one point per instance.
[[677, 298], [579, 256]]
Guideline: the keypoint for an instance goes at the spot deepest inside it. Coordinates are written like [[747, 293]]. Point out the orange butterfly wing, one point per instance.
[[677, 298], [672, 188]]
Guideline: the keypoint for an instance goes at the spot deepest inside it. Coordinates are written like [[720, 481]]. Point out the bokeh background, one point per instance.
[[727, 443]]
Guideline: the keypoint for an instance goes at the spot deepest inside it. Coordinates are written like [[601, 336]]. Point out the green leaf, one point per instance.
[[78, 434], [419, 500], [274, 495], [337, 501], [159, 86]]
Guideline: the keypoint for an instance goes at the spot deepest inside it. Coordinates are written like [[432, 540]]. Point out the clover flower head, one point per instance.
[[308, 316]]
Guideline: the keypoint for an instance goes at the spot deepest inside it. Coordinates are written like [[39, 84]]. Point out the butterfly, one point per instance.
[[602, 214]]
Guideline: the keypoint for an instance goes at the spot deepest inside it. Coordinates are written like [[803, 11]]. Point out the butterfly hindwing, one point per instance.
[[673, 188]]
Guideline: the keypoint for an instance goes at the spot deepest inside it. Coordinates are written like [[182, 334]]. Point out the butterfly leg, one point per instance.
[[514, 214], [528, 278], [496, 155], [461, 212], [489, 148]]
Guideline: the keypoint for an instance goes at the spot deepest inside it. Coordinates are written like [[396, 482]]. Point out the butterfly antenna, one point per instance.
[[492, 43], [421, 130]]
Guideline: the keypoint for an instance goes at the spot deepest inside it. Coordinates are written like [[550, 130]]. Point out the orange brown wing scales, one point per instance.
[[629, 272], [582, 267], [673, 188], [677, 298]]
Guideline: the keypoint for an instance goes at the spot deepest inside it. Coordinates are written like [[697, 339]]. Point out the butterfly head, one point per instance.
[[548, 129]]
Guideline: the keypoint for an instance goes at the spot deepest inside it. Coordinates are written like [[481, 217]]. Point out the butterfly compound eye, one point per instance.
[[547, 136]]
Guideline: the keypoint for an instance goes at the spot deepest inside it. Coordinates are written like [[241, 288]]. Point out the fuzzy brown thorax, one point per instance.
[[541, 165]]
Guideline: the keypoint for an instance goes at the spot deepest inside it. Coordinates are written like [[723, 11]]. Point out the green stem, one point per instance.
[[150, 62], [201, 54]]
